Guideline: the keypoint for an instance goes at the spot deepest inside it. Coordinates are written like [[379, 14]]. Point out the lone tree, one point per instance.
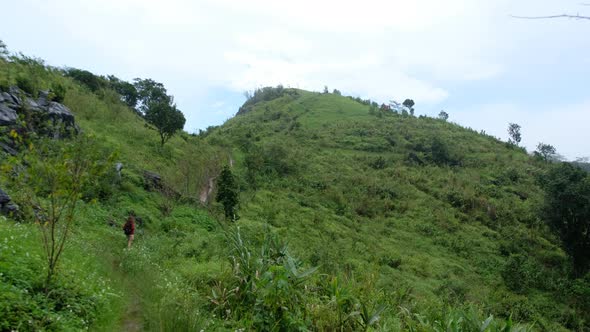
[[166, 118], [158, 108], [443, 115], [409, 103], [567, 211], [228, 193], [545, 151], [514, 133]]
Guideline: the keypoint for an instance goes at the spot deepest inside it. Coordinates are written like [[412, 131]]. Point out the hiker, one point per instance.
[[129, 229]]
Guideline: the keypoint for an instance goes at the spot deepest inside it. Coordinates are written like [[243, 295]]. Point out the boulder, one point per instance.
[[118, 168], [59, 113], [8, 115], [152, 180], [10, 209], [4, 198], [6, 206], [8, 149], [42, 110]]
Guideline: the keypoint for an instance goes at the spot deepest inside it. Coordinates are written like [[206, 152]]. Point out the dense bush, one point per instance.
[[28, 85], [265, 94], [567, 211], [58, 93], [86, 78]]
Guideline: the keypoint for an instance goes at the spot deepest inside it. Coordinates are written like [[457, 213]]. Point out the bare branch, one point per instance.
[[575, 17]]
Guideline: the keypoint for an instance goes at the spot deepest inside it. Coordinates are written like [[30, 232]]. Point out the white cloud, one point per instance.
[[375, 49]]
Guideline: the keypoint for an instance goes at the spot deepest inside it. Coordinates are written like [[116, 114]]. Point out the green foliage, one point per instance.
[[440, 153], [150, 92], [86, 78], [409, 244], [514, 133], [264, 94], [268, 288], [27, 84], [158, 108], [166, 118], [126, 90], [545, 151], [228, 193], [52, 178], [58, 93], [521, 273], [3, 50], [82, 297], [409, 103], [567, 211], [443, 115]]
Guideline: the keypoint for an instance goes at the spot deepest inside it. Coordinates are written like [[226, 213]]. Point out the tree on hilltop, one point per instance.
[[158, 108], [409, 103], [514, 133], [545, 151]]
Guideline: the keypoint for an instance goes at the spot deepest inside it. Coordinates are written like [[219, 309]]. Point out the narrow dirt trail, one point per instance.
[[132, 320]]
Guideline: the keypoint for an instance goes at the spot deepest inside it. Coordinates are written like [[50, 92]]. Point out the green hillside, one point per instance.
[[350, 218]]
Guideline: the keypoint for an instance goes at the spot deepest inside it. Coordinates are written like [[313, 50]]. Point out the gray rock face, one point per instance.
[[58, 112], [4, 198], [8, 115], [118, 168], [152, 181], [15, 101], [6, 206], [8, 149]]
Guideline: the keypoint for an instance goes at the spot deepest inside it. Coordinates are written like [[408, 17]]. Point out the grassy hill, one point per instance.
[[413, 203], [351, 218]]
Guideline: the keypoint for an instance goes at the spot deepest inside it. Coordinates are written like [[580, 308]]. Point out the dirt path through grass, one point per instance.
[[132, 320]]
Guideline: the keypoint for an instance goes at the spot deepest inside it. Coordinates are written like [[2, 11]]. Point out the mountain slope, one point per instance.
[[410, 202], [412, 224]]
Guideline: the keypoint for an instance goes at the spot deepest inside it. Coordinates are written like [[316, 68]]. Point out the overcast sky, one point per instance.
[[468, 57]]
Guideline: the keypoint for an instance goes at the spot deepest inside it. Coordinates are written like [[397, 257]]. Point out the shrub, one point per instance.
[[27, 84], [58, 93], [91, 81], [378, 163], [521, 273]]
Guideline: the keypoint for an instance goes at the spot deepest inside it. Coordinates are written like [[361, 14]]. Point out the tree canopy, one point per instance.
[[514, 133], [158, 108], [227, 193], [545, 151], [567, 211]]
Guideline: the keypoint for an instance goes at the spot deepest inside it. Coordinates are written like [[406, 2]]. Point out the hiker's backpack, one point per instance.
[[128, 228]]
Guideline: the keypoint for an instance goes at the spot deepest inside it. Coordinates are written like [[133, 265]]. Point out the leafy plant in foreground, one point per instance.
[[52, 177]]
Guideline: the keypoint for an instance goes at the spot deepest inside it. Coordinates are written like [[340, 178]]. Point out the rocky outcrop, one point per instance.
[[8, 115], [40, 116], [44, 116], [6, 205], [152, 181], [118, 168]]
